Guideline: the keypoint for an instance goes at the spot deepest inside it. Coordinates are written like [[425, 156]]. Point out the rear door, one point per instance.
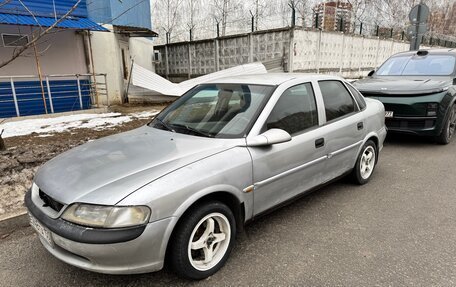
[[344, 128]]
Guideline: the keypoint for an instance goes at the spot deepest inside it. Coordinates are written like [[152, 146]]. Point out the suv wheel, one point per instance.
[[449, 127]]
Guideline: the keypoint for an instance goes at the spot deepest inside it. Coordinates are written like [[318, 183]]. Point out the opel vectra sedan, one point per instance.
[[418, 89], [179, 188]]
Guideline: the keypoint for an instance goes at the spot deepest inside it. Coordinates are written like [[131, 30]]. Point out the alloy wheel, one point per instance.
[[209, 241], [367, 163]]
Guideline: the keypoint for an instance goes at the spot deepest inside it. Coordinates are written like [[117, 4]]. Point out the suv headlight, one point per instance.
[[103, 216]]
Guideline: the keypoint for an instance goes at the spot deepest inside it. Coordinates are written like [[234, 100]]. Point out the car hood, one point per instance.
[[105, 171], [401, 86]]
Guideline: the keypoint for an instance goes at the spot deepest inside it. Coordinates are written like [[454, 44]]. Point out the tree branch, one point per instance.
[[41, 34]]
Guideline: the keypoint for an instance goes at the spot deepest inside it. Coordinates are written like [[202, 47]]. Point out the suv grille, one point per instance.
[[50, 202], [409, 123]]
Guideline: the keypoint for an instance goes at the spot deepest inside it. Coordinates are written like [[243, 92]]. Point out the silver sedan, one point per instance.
[[181, 187]]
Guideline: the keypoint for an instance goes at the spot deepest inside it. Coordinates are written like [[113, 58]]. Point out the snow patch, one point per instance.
[[48, 126]]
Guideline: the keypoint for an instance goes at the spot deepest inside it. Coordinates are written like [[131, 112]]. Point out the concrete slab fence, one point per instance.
[[285, 49]]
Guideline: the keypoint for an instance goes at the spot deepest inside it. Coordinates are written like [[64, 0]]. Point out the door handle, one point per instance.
[[319, 142], [360, 125]]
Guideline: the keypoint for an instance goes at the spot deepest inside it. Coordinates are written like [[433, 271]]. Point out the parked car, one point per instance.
[[182, 186], [418, 89]]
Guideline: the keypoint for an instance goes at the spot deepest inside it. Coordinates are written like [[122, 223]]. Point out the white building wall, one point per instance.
[[108, 60], [59, 53], [142, 52]]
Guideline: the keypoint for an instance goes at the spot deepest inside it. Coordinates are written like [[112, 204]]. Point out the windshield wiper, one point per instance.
[[165, 125], [194, 131]]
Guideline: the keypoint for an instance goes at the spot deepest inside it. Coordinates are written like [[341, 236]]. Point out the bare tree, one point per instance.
[[169, 13], [222, 9], [192, 7], [303, 10]]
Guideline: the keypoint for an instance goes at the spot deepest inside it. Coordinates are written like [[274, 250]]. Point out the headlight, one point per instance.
[[106, 216], [431, 109]]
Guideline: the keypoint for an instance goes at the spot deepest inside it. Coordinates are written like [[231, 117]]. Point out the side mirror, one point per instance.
[[269, 137], [371, 73]]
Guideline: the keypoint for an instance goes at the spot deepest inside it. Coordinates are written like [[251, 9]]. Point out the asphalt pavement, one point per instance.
[[398, 230]]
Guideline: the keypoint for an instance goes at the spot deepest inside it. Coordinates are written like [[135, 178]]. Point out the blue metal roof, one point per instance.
[[45, 8], [67, 23]]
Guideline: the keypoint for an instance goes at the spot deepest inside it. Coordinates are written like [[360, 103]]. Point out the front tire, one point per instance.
[[202, 241], [365, 164], [449, 128]]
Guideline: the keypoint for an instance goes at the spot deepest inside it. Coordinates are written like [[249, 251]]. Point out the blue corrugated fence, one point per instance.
[[24, 96]]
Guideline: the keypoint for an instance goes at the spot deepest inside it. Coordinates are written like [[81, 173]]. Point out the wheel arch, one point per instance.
[[229, 198], [375, 138]]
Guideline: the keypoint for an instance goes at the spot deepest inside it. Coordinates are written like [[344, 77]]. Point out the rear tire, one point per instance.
[[365, 164], [449, 127], [202, 241]]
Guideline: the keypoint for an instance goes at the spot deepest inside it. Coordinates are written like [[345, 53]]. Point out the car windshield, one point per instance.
[[215, 110], [430, 65]]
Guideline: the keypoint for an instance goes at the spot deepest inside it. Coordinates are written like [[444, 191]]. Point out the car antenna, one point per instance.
[[422, 52]]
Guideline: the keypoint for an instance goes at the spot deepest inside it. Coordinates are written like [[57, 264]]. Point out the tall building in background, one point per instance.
[[333, 16]]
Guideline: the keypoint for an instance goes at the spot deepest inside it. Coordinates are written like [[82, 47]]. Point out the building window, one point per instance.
[[14, 40]]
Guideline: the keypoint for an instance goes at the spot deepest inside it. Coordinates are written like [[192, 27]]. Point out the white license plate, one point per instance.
[[388, 114], [42, 231]]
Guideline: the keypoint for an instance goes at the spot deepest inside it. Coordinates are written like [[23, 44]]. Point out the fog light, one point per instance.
[[432, 109]]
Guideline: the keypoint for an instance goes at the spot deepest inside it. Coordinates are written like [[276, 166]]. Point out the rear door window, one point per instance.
[[359, 98], [338, 101]]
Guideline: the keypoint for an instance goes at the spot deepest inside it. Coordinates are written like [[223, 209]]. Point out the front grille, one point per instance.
[[50, 202], [413, 124]]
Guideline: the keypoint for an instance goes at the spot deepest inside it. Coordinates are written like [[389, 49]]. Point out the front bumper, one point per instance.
[[425, 126], [410, 113], [133, 254]]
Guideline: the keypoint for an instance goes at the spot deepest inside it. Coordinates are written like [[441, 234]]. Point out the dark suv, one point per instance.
[[418, 90]]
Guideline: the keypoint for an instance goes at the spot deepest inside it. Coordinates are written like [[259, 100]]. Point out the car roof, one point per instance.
[[271, 78], [440, 51]]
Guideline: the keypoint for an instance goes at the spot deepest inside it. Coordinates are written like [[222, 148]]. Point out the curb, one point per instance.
[[14, 223]]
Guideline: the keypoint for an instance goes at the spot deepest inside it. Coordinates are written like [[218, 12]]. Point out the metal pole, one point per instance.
[[361, 28], [391, 33], [93, 71], [376, 33], [106, 88], [13, 89], [49, 94], [40, 77], [218, 30], [293, 16], [253, 23], [129, 80], [79, 91]]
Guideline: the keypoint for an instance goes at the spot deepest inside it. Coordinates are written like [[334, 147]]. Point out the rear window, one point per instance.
[[430, 65]]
